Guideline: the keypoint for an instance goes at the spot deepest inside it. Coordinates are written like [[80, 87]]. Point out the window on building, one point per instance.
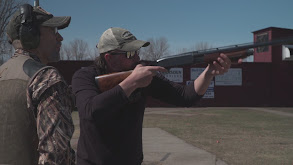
[[263, 37]]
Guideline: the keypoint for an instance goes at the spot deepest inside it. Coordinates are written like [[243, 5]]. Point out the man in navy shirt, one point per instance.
[[111, 121]]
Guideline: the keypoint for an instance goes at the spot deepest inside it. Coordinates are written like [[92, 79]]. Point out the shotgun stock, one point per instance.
[[234, 52], [108, 81]]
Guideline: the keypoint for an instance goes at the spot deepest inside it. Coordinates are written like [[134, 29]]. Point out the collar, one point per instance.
[[27, 53]]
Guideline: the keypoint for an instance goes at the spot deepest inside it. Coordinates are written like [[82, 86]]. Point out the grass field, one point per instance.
[[238, 136]]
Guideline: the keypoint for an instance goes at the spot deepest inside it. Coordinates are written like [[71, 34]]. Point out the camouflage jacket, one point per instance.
[[52, 102]]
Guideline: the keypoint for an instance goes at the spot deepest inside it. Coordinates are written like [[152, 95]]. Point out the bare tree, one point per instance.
[[76, 50], [6, 51], [181, 50], [202, 46], [158, 48], [95, 54], [79, 49], [65, 52], [7, 8], [196, 47]]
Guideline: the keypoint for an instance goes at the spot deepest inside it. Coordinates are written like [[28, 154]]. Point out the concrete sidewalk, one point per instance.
[[162, 148]]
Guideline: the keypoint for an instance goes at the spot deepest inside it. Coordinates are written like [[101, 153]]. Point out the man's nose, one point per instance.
[[59, 37], [136, 57]]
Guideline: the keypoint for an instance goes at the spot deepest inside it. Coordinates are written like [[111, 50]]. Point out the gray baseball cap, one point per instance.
[[40, 17], [116, 38]]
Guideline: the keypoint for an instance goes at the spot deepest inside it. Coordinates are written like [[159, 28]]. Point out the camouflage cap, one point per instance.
[[40, 17], [119, 39]]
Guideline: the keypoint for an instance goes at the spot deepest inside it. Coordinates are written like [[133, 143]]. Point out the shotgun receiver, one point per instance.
[[234, 52]]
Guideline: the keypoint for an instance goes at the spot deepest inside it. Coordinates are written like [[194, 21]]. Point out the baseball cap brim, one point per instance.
[[134, 45], [59, 22]]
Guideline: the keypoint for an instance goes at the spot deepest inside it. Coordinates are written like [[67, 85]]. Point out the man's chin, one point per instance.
[[54, 59]]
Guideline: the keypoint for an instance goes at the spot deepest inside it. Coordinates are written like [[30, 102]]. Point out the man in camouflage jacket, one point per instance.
[[36, 103]]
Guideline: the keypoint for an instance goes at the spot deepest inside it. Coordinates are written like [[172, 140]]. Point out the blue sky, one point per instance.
[[183, 22]]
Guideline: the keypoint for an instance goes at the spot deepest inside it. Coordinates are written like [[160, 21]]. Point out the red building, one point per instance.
[[271, 54], [268, 81]]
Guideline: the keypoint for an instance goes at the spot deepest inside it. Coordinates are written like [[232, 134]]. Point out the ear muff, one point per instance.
[[29, 32]]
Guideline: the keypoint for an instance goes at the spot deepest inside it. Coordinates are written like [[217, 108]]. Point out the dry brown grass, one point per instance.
[[237, 136]]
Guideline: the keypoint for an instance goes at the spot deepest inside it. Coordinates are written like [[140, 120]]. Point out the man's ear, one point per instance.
[[107, 57], [109, 60]]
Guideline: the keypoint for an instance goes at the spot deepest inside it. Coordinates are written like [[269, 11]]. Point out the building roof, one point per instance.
[[269, 28]]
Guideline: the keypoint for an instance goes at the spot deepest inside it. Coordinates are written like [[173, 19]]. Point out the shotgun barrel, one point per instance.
[[234, 52]]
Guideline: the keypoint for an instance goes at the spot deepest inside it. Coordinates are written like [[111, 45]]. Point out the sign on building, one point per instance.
[[210, 93], [232, 78], [194, 73], [175, 75]]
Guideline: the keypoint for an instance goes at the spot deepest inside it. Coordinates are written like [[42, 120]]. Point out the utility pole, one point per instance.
[[36, 3]]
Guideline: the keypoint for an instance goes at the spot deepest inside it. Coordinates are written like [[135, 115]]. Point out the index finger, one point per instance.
[[156, 69], [225, 58]]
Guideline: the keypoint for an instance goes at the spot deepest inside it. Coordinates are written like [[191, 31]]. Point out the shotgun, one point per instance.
[[234, 52]]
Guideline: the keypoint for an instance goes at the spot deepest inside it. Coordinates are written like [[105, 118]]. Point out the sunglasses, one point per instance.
[[55, 30], [128, 55]]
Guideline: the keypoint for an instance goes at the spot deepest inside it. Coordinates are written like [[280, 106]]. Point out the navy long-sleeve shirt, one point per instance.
[[111, 123]]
